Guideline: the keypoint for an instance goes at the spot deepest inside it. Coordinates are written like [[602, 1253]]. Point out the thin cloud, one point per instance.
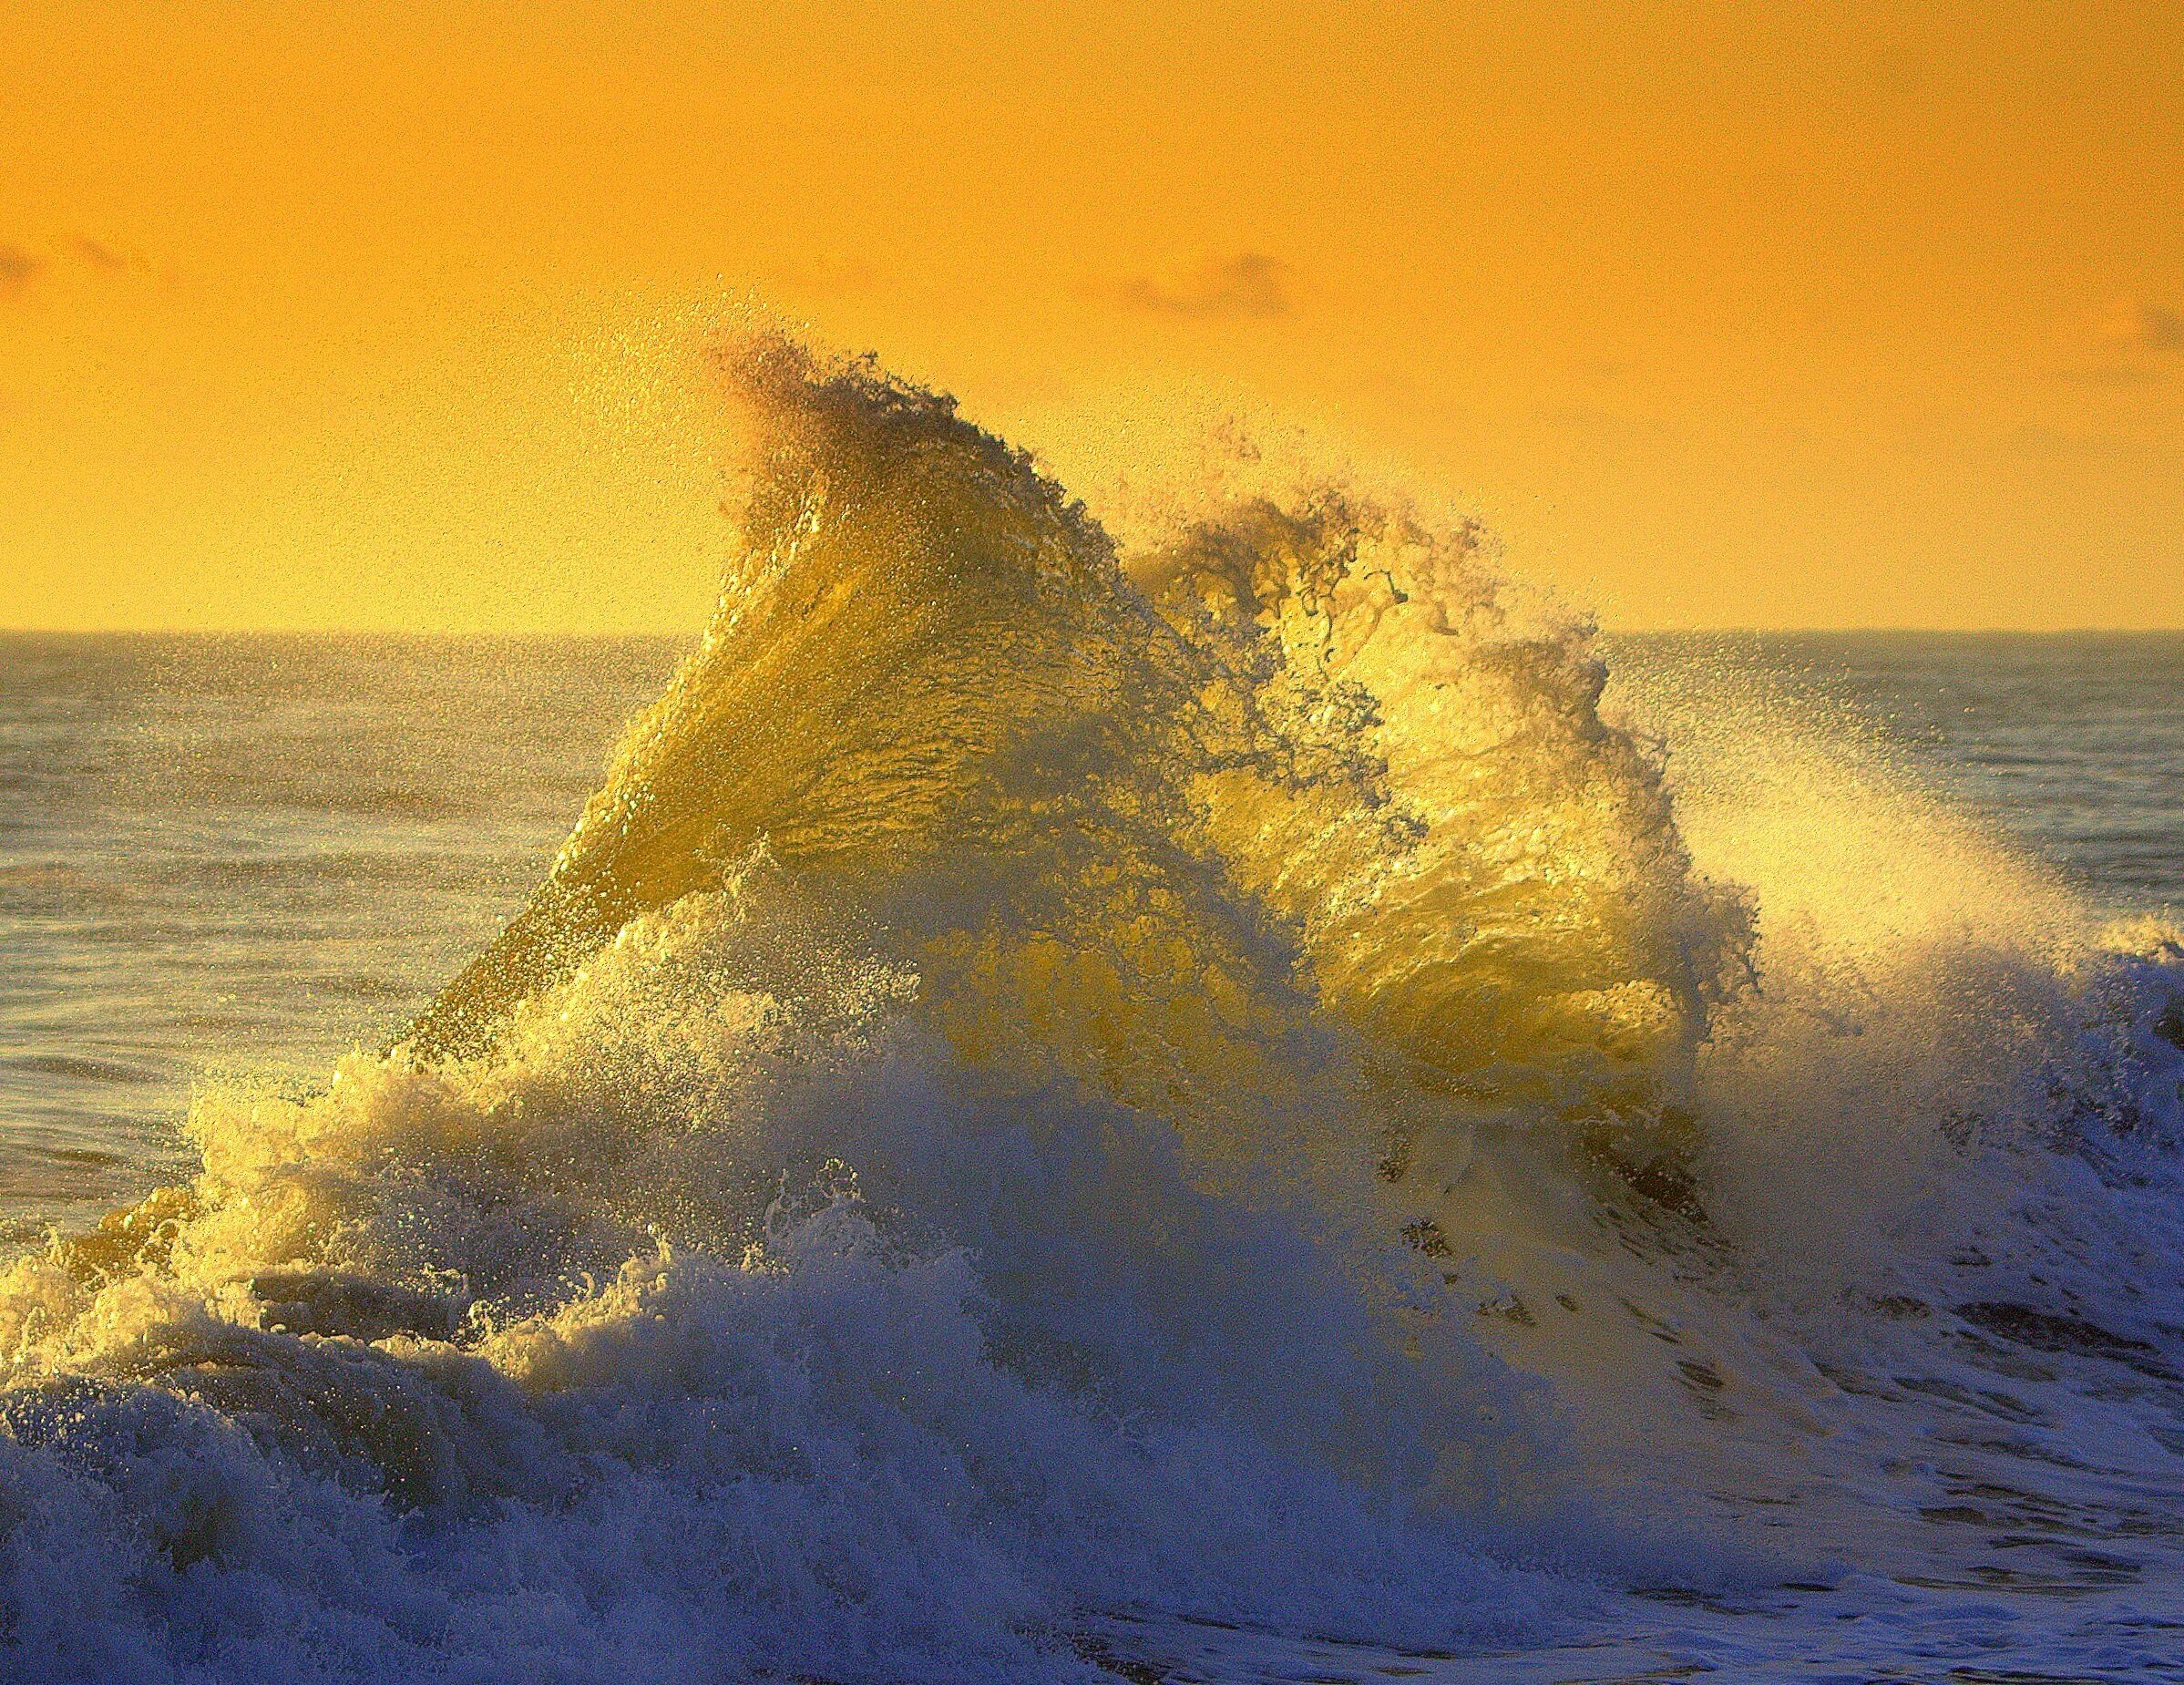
[[2141, 327], [1250, 283], [2054, 444], [98, 256], [2060, 444], [2134, 343], [2113, 374], [2160, 329], [19, 266]]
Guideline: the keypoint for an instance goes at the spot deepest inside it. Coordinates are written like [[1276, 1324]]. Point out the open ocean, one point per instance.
[[230, 853], [1234, 1106]]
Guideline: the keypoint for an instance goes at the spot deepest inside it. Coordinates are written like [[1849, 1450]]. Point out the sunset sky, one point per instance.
[[349, 315]]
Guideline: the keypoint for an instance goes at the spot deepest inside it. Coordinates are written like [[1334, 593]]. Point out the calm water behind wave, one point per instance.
[[255, 852], [223, 852]]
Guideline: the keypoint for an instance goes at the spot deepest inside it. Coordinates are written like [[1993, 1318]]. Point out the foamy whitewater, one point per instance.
[[1178, 1103]]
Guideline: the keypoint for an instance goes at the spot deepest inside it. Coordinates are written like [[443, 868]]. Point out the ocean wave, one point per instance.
[[1205, 1078]]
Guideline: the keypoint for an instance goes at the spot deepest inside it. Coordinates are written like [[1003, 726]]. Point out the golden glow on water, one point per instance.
[[312, 315]]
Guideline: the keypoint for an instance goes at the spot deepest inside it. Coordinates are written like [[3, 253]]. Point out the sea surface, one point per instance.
[[225, 854], [1228, 1100]]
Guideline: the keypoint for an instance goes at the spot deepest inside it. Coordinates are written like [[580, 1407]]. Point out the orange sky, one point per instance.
[[329, 314]]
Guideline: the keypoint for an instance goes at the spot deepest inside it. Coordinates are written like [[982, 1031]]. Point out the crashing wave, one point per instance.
[[1051, 1081]]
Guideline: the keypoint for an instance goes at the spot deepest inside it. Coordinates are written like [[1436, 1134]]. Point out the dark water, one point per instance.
[[227, 851]]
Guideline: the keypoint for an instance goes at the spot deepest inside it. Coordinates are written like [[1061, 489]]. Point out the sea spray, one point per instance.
[[1053, 1082]]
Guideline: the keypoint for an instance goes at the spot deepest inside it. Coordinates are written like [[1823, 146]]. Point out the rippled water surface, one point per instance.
[[241, 850]]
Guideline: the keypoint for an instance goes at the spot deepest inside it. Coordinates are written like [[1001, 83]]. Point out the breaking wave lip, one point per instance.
[[1206, 1077]]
